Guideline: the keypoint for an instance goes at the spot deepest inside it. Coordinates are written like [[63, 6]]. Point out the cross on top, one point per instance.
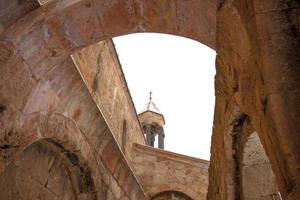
[[150, 97]]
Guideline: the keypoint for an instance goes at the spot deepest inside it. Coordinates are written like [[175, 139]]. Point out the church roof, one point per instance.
[[151, 106]]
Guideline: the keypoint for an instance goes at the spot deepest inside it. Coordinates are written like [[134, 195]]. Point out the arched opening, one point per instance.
[[46, 170], [180, 73], [258, 181], [56, 30], [154, 135], [97, 66], [171, 195]]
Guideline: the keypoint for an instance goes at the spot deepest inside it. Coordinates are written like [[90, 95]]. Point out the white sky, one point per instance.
[[180, 73]]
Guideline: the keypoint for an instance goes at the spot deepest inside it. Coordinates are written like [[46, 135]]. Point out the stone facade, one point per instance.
[[257, 77], [80, 125], [101, 72], [47, 109], [58, 112], [161, 171]]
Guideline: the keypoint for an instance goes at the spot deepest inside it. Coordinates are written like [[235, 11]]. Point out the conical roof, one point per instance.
[[151, 107]]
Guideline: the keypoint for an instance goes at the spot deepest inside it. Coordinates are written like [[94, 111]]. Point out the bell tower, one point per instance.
[[152, 121]]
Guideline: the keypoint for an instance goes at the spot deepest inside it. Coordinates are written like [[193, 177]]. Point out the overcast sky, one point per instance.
[[180, 73]]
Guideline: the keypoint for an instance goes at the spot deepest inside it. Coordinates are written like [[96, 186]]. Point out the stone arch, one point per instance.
[[258, 91], [174, 186], [247, 160], [51, 138], [55, 30], [171, 195], [42, 29], [46, 169], [107, 19], [58, 28], [95, 170], [257, 178], [253, 176], [38, 126], [154, 134]]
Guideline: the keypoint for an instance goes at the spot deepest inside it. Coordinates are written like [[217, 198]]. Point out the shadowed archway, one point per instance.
[[47, 170], [171, 195]]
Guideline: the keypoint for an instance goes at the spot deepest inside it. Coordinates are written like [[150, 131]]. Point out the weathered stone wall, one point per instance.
[[257, 181], [119, 17], [52, 103], [161, 171], [257, 75], [44, 99], [101, 71], [41, 174], [13, 10]]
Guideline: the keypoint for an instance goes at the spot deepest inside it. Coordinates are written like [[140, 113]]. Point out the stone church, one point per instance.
[[68, 126]]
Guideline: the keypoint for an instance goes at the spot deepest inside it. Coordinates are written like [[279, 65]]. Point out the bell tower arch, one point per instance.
[[152, 121]]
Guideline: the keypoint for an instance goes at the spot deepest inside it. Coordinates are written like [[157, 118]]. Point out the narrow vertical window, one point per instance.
[[124, 136]]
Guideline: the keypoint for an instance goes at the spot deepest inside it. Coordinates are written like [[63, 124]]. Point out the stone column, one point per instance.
[[152, 138], [148, 134], [161, 137]]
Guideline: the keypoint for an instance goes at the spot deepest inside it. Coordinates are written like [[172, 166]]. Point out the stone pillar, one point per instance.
[[161, 138], [148, 134], [152, 138]]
